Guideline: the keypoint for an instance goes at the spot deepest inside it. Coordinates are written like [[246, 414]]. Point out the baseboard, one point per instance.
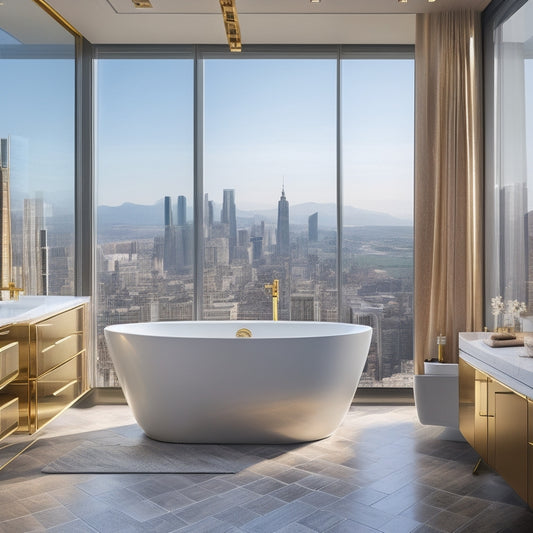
[[101, 396], [383, 396], [363, 396]]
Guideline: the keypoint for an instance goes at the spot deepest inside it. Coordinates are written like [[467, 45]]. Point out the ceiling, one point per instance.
[[261, 21]]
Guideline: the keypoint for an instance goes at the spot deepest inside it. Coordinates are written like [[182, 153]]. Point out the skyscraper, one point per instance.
[[313, 227], [169, 252], [228, 216], [182, 211], [257, 248], [5, 215], [282, 232], [303, 307], [168, 211], [44, 260], [32, 266]]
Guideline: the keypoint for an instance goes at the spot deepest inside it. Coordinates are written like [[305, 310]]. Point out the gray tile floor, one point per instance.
[[381, 471]]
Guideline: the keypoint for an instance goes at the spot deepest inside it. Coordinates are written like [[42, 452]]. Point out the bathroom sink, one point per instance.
[[9, 309], [31, 307]]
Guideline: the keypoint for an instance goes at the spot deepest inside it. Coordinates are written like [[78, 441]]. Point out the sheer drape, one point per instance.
[[448, 180]]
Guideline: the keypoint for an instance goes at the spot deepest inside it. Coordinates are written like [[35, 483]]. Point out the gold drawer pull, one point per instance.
[[64, 387], [4, 332], [44, 350]]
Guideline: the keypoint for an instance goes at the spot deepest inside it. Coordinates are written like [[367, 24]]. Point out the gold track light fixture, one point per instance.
[[231, 23], [142, 3]]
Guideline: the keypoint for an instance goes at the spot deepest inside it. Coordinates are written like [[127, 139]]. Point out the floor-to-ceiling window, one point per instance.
[[37, 151], [509, 191], [377, 156], [270, 186], [252, 145], [144, 172]]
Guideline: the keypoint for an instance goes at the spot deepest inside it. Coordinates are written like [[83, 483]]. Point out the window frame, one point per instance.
[[86, 212]]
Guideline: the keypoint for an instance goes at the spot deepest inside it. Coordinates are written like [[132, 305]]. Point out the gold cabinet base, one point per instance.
[[9, 415], [495, 421], [52, 367]]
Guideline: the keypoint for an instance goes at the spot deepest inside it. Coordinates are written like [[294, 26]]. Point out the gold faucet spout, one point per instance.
[[274, 289], [13, 290]]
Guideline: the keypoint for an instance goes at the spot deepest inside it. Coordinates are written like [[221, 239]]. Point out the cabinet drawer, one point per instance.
[[56, 390], [57, 339], [58, 352], [9, 414], [9, 362]]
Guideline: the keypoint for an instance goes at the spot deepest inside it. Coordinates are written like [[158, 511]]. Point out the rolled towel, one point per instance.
[[502, 336], [494, 343]]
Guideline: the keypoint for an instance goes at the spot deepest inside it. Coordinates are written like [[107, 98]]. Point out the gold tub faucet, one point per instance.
[[13, 290], [274, 288]]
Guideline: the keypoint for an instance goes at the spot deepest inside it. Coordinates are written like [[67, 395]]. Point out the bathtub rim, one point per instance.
[[129, 329]]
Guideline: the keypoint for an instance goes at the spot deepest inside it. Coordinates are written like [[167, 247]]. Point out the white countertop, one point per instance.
[[28, 309], [507, 365]]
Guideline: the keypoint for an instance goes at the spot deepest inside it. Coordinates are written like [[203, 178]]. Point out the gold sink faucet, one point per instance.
[[274, 288], [13, 290]]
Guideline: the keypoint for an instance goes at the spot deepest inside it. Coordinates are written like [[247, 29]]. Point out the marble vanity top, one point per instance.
[[507, 365], [29, 309]]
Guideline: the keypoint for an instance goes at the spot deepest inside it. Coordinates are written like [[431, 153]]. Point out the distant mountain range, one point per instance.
[[129, 214], [327, 215]]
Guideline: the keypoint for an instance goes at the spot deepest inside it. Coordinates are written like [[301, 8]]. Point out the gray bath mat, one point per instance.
[[149, 457]]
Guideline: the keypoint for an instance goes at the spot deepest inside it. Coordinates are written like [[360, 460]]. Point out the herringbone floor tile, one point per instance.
[[381, 471]]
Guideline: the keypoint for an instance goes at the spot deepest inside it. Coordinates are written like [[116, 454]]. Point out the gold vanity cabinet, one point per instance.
[[53, 367], [9, 370], [507, 435], [530, 452], [496, 422], [473, 407]]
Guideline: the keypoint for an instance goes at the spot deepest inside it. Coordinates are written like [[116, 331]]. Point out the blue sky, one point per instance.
[[265, 122], [37, 112]]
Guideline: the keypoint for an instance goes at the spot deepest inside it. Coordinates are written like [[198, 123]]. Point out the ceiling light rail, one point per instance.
[[231, 23]]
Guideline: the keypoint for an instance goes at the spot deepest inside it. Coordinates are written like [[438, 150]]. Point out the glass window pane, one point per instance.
[[270, 185], [144, 166], [37, 119], [509, 224], [377, 156]]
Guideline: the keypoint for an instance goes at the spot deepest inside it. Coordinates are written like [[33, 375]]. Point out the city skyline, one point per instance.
[[151, 278], [217, 206]]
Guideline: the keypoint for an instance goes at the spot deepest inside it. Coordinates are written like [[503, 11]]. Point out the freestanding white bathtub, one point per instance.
[[196, 382]]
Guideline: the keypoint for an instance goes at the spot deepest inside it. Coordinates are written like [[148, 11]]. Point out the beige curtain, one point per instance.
[[448, 181]]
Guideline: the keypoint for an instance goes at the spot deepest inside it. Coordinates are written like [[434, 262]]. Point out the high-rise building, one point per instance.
[[5, 215], [228, 216], [44, 260], [33, 223], [513, 224], [182, 211], [282, 232], [303, 307], [313, 227], [257, 248], [169, 251], [168, 211]]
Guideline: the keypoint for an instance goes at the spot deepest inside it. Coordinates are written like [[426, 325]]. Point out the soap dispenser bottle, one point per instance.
[[441, 343]]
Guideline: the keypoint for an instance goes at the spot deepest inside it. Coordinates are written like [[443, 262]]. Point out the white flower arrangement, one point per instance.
[[516, 308], [497, 305], [513, 309]]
